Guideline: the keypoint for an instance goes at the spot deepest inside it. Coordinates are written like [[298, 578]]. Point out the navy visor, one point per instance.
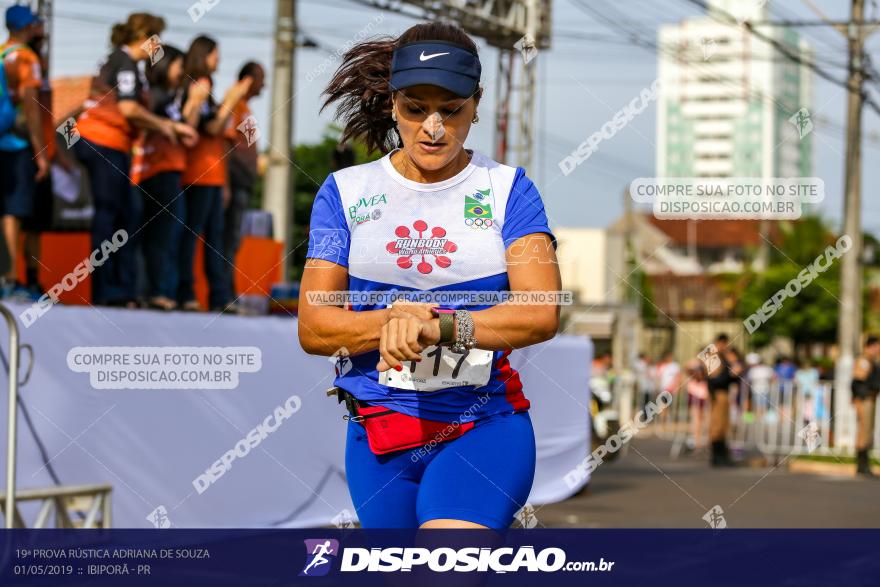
[[436, 63]]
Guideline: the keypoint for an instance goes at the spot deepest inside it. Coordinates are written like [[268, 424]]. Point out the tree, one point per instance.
[[811, 314]]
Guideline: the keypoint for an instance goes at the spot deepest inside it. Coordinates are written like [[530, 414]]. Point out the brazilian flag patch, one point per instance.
[[477, 211]]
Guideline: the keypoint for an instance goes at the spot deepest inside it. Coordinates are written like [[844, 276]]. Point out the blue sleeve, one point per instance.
[[525, 211], [329, 237]]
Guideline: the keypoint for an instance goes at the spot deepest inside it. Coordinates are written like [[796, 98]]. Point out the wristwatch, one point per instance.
[[447, 324]]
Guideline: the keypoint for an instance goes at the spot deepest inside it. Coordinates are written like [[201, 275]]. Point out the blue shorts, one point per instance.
[[18, 183], [484, 476]]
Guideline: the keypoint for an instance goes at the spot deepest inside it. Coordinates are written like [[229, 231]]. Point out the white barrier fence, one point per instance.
[[201, 458], [778, 420]]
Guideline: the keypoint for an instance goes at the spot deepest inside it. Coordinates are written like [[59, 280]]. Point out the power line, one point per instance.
[[225, 33], [783, 49], [789, 16], [659, 13], [106, 21], [617, 21], [581, 36], [873, 139], [660, 49], [635, 35]]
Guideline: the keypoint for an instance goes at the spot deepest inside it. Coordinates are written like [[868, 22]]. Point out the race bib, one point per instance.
[[440, 368]]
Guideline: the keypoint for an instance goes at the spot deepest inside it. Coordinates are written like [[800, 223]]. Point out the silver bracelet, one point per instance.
[[464, 339]]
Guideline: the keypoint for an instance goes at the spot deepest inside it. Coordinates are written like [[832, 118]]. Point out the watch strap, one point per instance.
[[447, 327]]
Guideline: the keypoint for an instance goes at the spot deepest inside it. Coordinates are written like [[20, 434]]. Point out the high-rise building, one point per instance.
[[730, 104]]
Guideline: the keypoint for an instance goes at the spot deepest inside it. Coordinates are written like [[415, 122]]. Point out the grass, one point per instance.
[[840, 460]]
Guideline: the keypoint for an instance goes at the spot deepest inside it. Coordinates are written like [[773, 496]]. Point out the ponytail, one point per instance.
[[118, 35], [140, 25], [361, 88], [360, 85]]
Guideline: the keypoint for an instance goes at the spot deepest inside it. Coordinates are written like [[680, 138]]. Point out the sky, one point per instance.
[[589, 73]]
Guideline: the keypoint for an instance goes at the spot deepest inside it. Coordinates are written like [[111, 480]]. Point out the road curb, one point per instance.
[[826, 469]]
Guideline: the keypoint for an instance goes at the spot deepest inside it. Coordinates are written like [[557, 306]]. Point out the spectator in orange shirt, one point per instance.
[[41, 219], [205, 174], [23, 160], [156, 169], [107, 129], [242, 164]]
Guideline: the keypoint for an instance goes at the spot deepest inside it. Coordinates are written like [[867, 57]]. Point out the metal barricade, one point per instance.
[[793, 421], [671, 423], [92, 502], [781, 420], [12, 406]]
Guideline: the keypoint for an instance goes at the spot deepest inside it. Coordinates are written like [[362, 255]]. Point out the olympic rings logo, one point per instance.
[[483, 223]]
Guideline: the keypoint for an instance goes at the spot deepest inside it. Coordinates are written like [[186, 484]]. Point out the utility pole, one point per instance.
[[527, 94], [44, 10], [503, 87], [627, 324], [277, 194], [850, 315]]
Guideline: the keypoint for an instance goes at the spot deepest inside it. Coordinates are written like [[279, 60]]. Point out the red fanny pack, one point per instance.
[[390, 431]]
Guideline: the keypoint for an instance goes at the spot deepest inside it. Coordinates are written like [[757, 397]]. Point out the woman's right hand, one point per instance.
[[166, 127], [199, 90], [238, 90], [404, 309], [188, 135], [403, 338]]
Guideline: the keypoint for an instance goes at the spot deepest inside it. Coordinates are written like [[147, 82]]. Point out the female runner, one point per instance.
[[429, 216]]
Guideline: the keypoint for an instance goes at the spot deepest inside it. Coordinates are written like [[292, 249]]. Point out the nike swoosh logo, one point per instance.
[[424, 57]]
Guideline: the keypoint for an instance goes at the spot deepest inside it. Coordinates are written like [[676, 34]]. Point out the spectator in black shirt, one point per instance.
[[721, 376], [242, 168], [865, 385]]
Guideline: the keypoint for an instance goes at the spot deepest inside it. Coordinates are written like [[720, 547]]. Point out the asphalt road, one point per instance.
[[646, 488]]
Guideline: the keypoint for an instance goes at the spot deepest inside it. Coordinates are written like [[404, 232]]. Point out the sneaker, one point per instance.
[[863, 466], [230, 308], [16, 292], [7, 287], [161, 303], [27, 293], [127, 304], [35, 289], [191, 306]]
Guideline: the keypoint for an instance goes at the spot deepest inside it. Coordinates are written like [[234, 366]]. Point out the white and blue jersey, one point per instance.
[[393, 233]]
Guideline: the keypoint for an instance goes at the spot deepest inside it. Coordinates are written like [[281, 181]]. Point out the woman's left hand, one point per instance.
[[403, 338]]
